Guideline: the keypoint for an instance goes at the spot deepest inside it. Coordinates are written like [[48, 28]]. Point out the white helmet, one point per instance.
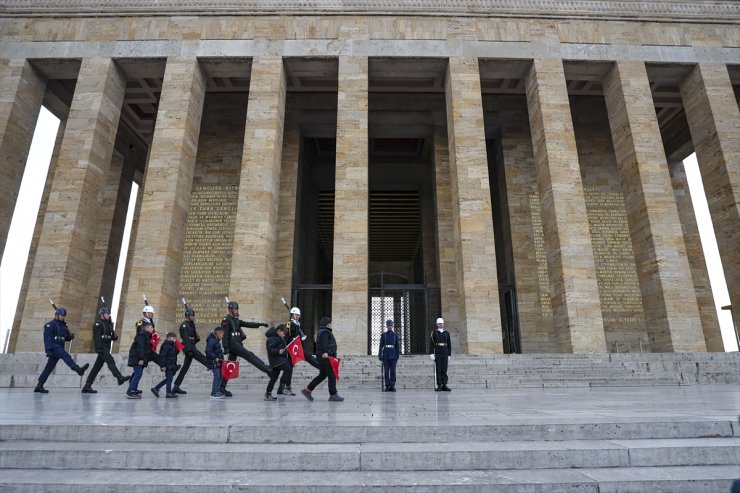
[[148, 309], [295, 311], [440, 320]]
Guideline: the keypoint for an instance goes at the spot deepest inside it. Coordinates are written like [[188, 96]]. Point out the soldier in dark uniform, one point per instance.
[[233, 342], [103, 335], [388, 353], [295, 330], [189, 336], [441, 354], [56, 334]]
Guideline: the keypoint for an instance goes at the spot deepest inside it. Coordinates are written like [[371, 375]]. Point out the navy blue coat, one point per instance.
[[168, 355], [141, 349], [55, 335], [389, 346], [214, 350]]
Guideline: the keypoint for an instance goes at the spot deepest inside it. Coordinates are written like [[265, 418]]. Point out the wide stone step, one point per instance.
[[368, 433], [372, 456], [686, 479]]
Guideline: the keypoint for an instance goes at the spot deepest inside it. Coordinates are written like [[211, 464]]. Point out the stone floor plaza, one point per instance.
[[519, 440]]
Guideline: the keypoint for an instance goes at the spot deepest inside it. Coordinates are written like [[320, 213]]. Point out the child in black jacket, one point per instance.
[[138, 358], [215, 355], [278, 357], [168, 360]]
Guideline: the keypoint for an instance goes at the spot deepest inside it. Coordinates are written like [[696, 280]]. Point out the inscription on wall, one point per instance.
[[543, 279], [209, 241], [621, 300]]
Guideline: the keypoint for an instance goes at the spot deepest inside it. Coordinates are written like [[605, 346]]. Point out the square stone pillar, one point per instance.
[[472, 217], [351, 202], [286, 222], [579, 327], [714, 122], [255, 233], [160, 235], [67, 241], [21, 93], [671, 312]]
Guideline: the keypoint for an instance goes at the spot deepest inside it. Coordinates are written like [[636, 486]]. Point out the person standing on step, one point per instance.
[[56, 333], [234, 341], [168, 358], [138, 358], [278, 358], [103, 336], [189, 337], [388, 353], [215, 354], [326, 346], [441, 354]]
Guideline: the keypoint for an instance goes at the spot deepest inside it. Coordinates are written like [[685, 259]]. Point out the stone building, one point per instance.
[[513, 166]]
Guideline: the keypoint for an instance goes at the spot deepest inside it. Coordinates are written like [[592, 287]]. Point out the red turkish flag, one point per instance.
[[179, 345], [295, 349], [154, 341], [229, 369], [335, 365]]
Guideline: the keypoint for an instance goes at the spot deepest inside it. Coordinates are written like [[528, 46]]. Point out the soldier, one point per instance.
[[234, 342], [441, 354], [388, 354], [103, 335], [189, 336], [56, 334], [295, 330], [148, 317]]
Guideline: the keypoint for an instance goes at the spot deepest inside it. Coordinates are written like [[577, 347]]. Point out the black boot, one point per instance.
[[122, 379], [81, 370], [87, 389], [270, 397], [40, 389], [178, 390]]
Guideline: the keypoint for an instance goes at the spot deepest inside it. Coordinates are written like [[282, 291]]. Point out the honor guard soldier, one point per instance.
[[388, 353], [189, 337], [234, 341], [103, 336], [295, 330], [441, 354], [56, 334], [148, 318]]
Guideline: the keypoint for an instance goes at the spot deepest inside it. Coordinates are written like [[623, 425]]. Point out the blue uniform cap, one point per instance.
[[61, 311], [389, 322]]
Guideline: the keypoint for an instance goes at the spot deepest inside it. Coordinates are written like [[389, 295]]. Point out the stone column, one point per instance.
[[472, 217], [67, 238], [351, 203], [35, 239], [160, 236], [576, 309], [255, 230], [714, 122], [671, 313], [286, 222], [21, 93], [695, 253], [100, 256], [449, 260]]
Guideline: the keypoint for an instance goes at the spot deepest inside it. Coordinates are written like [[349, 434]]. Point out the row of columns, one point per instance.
[[76, 211]]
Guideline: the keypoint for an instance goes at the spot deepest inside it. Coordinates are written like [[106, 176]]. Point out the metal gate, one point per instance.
[[406, 305]]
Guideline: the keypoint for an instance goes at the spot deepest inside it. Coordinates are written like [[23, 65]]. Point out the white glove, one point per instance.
[[304, 338], [431, 356], [449, 358]]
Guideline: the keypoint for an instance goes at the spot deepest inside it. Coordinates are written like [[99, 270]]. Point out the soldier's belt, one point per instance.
[[441, 344], [58, 338], [389, 345]]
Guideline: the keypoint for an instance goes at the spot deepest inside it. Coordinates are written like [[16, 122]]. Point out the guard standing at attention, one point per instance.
[[56, 334], [234, 342], [103, 336], [388, 353], [441, 354], [189, 336]]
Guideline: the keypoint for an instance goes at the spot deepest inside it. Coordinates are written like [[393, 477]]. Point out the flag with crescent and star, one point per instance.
[[230, 369], [295, 349]]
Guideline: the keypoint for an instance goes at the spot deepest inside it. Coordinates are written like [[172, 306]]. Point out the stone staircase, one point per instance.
[[417, 372]]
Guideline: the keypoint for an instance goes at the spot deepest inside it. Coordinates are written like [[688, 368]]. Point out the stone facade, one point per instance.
[[589, 201]]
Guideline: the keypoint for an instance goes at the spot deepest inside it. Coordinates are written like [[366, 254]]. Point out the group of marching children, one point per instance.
[[223, 346]]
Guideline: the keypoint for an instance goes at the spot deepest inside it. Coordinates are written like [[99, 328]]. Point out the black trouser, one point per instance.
[[440, 363], [189, 357], [285, 380], [154, 358], [325, 371], [389, 372], [103, 357], [240, 351]]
